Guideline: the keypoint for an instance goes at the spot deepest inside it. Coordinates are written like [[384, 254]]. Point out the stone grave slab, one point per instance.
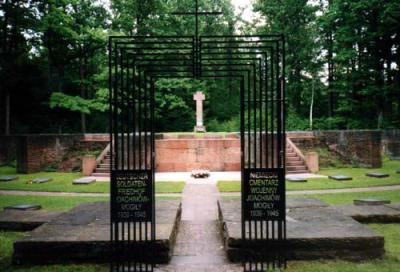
[[8, 178], [296, 179], [41, 180], [313, 232], [84, 181], [370, 202], [377, 175], [16, 220], [24, 207], [340, 177], [394, 206], [83, 235], [296, 203], [371, 214]]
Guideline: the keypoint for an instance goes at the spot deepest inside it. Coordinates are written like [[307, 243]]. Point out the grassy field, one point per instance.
[[347, 198], [61, 203], [358, 174], [62, 182]]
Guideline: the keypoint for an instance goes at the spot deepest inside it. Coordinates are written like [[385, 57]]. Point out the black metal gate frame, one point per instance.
[[246, 58]]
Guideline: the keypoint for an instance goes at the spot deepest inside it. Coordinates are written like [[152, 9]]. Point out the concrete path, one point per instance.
[[199, 246]]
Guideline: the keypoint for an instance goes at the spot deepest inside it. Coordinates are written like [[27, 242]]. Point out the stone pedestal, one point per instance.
[[88, 165], [199, 129], [312, 161]]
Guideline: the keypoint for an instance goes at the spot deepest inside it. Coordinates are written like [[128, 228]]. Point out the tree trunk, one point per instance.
[[82, 87], [7, 113]]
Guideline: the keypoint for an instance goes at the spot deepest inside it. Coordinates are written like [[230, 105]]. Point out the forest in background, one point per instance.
[[342, 62]]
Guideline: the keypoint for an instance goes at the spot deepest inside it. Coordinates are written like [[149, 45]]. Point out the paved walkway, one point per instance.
[[199, 246]]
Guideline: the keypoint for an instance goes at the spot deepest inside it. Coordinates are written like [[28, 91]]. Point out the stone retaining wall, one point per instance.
[[37, 152], [391, 143], [214, 154], [358, 147], [187, 151]]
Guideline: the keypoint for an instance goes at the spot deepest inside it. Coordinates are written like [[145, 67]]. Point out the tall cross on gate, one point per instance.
[[197, 14]]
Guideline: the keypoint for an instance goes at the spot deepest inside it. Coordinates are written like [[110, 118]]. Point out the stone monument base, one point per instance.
[[314, 231], [82, 235], [199, 129]]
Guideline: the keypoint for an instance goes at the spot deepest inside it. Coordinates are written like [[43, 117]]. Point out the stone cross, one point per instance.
[[199, 97]]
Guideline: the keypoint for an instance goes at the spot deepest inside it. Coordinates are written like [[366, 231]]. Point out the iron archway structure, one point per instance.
[[257, 63]]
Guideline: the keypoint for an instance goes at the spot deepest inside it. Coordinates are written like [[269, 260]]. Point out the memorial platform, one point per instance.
[[314, 231], [83, 235]]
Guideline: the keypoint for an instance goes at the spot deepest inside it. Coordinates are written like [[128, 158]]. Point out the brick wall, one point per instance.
[[184, 152], [188, 154], [359, 147], [37, 152], [391, 143]]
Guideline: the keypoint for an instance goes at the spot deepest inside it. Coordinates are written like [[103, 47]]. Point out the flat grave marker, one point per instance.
[[24, 207], [296, 179], [8, 178], [340, 177], [370, 202], [84, 181], [41, 180], [377, 175]]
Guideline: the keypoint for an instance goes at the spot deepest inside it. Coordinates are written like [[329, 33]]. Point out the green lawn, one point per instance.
[[390, 263], [347, 198], [358, 174], [62, 182], [61, 203]]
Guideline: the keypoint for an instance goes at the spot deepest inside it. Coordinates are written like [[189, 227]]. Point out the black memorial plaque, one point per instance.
[[264, 194], [131, 196]]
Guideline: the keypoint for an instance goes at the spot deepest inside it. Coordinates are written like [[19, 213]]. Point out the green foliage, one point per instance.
[[54, 54], [79, 104]]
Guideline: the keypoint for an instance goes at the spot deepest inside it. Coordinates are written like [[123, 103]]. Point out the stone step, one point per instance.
[[101, 174], [294, 163], [295, 168], [100, 170], [293, 159], [296, 172]]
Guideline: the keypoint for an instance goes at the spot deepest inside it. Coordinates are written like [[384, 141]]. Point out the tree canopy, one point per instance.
[[342, 60]]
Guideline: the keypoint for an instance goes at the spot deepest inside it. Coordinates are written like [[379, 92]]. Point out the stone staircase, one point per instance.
[[103, 168], [294, 163]]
